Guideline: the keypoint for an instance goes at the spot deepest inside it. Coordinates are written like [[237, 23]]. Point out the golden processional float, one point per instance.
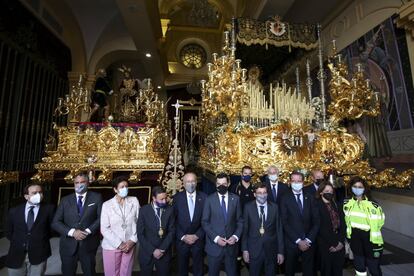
[[103, 149], [244, 125]]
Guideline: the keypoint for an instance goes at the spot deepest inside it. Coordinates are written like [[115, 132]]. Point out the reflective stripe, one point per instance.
[[360, 273], [358, 214], [375, 217], [376, 234], [360, 226]]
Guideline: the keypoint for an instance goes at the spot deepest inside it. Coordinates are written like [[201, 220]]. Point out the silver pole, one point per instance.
[[308, 80], [297, 81], [321, 78]]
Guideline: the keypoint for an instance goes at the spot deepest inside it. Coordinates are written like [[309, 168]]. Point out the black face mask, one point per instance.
[[222, 189], [318, 181], [328, 196]]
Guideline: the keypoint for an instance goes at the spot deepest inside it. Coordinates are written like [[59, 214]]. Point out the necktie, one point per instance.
[[274, 191], [80, 205], [262, 214], [299, 203], [223, 208], [191, 206], [30, 218], [159, 212]]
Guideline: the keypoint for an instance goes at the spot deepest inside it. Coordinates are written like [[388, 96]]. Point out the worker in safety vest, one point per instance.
[[364, 220]]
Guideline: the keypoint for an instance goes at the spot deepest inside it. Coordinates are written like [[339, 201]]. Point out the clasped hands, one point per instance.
[[190, 239], [223, 242], [126, 246], [80, 234], [336, 248], [304, 245], [158, 253]]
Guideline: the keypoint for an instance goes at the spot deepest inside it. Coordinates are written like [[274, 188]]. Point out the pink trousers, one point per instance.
[[118, 263]]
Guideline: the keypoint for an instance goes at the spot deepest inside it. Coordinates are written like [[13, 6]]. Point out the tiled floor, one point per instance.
[[398, 258]]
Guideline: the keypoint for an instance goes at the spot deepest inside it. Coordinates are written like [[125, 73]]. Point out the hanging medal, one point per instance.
[[123, 225], [160, 231], [262, 230]]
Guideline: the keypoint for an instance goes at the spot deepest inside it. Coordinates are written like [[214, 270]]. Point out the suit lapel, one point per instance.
[[22, 215], [39, 214], [197, 208], [217, 199], [270, 213], [115, 206]]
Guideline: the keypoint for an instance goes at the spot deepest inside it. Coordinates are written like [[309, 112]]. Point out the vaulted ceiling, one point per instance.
[[113, 31]]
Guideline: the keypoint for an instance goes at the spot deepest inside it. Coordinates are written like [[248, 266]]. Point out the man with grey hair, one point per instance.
[[275, 188], [188, 207], [77, 221]]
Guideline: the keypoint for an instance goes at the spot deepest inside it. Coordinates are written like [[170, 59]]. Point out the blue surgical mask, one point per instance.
[[123, 192], [190, 187], [261, 199], [81, 188], [273, 177], [297, 186], [358, 191], [246, 178]]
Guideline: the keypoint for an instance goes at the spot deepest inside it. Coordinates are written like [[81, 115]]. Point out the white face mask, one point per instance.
[[35, 199], [297, 186], [123, 192]]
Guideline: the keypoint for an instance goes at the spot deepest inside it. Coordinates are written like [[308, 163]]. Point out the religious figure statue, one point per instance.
[[100, 94]]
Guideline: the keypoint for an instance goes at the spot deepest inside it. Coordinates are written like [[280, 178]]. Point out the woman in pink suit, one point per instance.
[[119, 230]]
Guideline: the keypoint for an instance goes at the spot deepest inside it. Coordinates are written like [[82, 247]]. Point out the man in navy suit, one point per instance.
[[300, 220], [223, 223], [156, 231], [77, 220], [262, 242], [275, 188], [28, 230], [188, 207]]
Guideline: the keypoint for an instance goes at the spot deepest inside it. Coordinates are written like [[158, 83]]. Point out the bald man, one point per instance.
[[188, 207]]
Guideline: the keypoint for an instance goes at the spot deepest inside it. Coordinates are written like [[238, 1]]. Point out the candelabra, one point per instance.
[[350, 99], [74, 102], [225, 92]]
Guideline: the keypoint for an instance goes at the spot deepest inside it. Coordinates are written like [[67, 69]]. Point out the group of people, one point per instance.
[[267, 224]]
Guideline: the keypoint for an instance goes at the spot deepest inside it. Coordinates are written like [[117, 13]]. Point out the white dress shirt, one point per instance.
[[274, 185], [35, 210], [265, 209], [193, 199], [112, 219]]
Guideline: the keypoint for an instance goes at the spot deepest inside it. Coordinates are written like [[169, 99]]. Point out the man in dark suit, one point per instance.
[[300, 220], [317, 178], [190, 236], [77, 221], [275, 188], [28, 230], [223, 223], [156, 230], [262, 242]]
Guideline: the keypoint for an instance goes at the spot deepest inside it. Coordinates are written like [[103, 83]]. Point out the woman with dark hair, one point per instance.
[[331, 237], [119, 230], [364, 219]]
